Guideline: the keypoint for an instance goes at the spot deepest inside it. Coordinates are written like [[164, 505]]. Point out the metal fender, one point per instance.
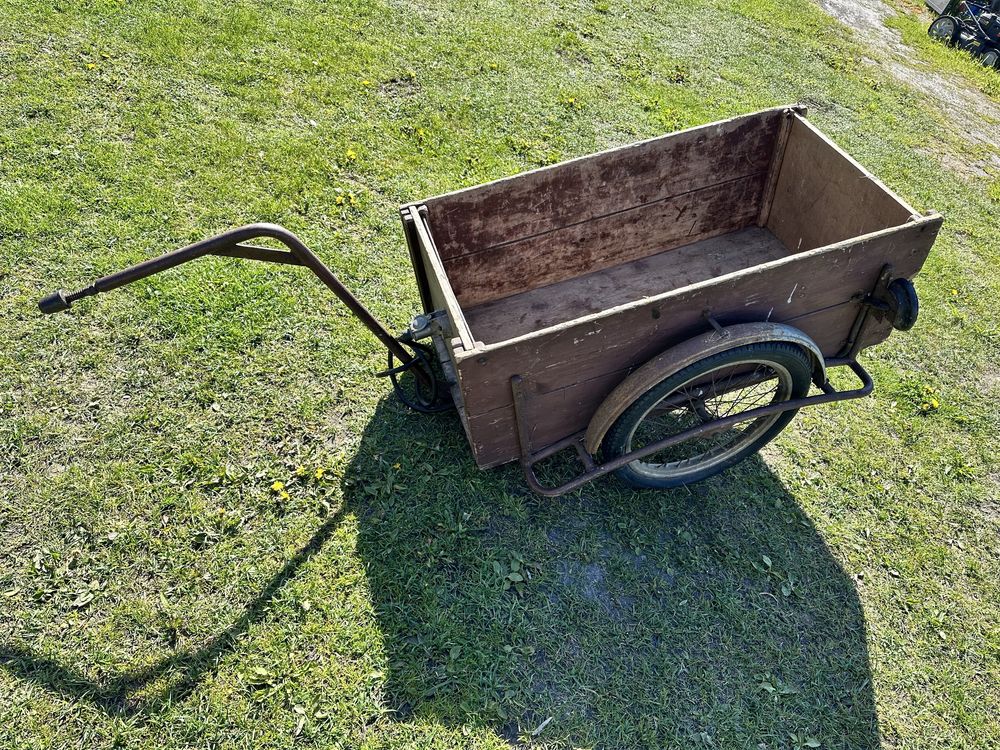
[[680, 356]]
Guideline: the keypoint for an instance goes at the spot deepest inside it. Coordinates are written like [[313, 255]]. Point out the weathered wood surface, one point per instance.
[[534, 310], [555, 414], [774, 168], [823, 196], [606, 241], [503, 215], [601, 348], [441, 293]]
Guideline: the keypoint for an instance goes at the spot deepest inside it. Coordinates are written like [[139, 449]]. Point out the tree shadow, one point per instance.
[[714, 614]]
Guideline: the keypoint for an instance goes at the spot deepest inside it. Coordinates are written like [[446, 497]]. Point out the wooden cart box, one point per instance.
[[574, 275]]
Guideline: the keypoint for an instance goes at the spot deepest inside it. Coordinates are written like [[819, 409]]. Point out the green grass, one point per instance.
[[155, 591], [913, 31]]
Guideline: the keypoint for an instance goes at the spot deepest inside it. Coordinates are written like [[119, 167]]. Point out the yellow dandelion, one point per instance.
[[278, 486], [339, 200], [351, 154], [366, 82], [301, 471], [283, 495], [320, 471]]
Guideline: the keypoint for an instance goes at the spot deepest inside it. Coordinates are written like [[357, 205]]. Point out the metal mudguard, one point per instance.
[[678, 357]]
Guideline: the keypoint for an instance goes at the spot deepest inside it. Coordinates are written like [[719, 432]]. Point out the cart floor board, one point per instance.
[[531, 311]]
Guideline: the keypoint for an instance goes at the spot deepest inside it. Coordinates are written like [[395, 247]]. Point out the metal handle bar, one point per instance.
[[230, 244]]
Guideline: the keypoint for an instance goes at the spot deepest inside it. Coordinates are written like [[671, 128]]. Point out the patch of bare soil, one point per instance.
[[991, 506], [972, 113]]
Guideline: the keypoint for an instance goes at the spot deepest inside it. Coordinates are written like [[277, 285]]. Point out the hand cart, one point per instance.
[[661, 309]]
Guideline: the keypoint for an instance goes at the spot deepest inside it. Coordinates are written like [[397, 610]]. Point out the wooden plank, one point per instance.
[[635, 233], [441, 292], [524, 313], [774, 170], [589, 347], [856, 164], [824, 196], [561, 412], [418, 261], [583, 189]]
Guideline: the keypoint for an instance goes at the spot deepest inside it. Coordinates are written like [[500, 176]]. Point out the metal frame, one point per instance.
[[232, 244], [593, 470]]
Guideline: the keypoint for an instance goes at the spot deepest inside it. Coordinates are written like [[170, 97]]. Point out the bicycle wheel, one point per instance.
[[721, 385]]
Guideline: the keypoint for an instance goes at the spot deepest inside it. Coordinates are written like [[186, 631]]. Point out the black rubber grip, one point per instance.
[[54, 302]]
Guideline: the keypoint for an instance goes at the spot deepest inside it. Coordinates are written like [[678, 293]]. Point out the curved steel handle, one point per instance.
[[231, 244]]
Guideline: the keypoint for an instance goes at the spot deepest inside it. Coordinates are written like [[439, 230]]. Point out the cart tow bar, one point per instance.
[[232, 244]]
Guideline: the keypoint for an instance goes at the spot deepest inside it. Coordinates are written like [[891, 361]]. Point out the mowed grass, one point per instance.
[[912, 27], [157, 591]]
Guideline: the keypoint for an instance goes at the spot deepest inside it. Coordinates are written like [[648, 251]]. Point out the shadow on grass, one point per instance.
[[714, 614], [182, 671]]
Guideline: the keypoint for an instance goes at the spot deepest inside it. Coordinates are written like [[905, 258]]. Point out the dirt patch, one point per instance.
[[989, 382], [864, 16], [974, 115], [586, 579]]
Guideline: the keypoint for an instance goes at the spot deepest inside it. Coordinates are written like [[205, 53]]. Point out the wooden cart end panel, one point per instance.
[[823, 196]]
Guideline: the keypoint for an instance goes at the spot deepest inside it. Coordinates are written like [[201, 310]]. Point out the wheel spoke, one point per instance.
[[729, 391]]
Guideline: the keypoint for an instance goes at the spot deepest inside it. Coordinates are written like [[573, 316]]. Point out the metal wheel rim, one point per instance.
[[674, 469], [937, 32]]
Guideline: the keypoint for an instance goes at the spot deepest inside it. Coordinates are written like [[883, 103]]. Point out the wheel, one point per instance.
[[990, 58], [945, 29], [723, 384], [903, 304]]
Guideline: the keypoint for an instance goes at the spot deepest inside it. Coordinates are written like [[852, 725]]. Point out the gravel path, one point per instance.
[[973, 114]]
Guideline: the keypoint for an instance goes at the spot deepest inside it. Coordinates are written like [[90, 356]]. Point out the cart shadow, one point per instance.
[[172, 679], [712, 614]]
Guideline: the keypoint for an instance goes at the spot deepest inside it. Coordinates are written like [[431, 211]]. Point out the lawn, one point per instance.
[[156, 591]]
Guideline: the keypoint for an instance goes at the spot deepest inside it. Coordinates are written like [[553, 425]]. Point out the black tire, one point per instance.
[[785, 365], [903, 303], [945, 29], [991, 58]]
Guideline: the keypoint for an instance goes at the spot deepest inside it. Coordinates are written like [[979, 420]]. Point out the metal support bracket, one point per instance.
[[593, 469], [871, 305]]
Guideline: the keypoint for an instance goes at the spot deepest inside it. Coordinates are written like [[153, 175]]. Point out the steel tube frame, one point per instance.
[[232, 244], [592, 470]]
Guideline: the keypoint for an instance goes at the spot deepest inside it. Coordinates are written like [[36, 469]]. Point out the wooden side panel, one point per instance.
[[823, 196], [561, 412], [578, 249], [441, 294], [510, 221], [582, 189], [597, 348]]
